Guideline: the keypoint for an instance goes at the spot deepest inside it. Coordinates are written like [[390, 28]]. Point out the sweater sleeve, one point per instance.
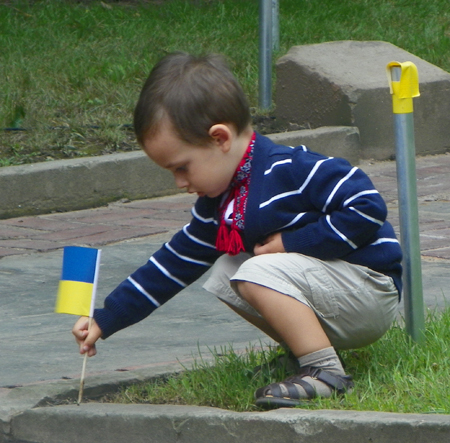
[[178, 263], [346, 211]]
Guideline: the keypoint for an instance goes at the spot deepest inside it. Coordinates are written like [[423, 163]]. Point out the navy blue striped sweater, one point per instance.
[[324, 207]]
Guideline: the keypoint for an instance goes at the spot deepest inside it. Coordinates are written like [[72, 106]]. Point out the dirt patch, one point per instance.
[[63, 142]]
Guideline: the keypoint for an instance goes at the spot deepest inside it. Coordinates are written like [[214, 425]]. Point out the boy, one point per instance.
[[300, 243]]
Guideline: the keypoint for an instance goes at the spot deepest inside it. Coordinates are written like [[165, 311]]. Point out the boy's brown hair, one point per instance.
[[195, 93]]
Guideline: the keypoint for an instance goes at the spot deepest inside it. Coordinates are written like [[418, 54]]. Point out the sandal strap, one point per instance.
[[292, 390], [275, 390], [340, 383], [310, 391]]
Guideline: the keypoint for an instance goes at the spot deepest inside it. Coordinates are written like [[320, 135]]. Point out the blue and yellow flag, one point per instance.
[[78, 284]]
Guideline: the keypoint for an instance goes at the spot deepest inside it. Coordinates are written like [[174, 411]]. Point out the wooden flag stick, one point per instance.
[[91, 315], [83, 370]]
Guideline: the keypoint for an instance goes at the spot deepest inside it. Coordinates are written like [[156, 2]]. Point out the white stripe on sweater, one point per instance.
[[195, 239], [143, 291], [360, 194], [196, 215], [368, 217], [336, 188], [281, 162], [295, 220], [297, 191], [340, 234], [185, 257], [384, 240], [167, 273]]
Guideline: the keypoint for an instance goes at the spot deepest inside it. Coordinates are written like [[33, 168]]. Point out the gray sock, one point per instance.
[[325, 359]]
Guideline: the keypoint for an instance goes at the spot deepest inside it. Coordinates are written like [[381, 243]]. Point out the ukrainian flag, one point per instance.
[[78, 284]]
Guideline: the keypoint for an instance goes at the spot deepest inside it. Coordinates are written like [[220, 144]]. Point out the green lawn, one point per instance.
[[71, 72], [392, 375]]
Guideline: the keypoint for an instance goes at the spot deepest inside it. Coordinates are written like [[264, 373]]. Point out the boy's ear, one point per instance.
[[222, 136]]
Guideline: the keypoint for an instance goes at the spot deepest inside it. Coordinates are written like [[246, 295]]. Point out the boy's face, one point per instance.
[[204, 170]]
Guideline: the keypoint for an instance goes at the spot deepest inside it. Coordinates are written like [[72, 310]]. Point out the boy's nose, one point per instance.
[[181, 182]]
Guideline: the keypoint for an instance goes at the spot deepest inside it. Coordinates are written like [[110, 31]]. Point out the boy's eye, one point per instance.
[[181, 169]]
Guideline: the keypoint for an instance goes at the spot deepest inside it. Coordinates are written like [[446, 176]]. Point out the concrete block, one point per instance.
[[64, 185], [345, 84], [335, 141]]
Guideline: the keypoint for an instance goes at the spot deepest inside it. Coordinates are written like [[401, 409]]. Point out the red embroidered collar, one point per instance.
[[229, 238]]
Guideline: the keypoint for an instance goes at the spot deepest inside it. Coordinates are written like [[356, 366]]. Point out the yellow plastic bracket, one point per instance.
[[405, 89]]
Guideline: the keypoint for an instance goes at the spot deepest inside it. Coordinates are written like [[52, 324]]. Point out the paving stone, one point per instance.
[[151, 222], [76, 233], [29, 244], [443, 253], [434, 239], [7, 232], [45, 223], [107, 215], [117, 235], [5, 251]]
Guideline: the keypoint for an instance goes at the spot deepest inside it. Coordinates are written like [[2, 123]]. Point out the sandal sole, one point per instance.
[[276, 402]]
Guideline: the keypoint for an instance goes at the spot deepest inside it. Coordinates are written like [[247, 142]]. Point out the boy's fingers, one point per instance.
[[80, 327], [264, 248], [272, 244], [88, 344], [92, 336], [86, 336], [91, 351]]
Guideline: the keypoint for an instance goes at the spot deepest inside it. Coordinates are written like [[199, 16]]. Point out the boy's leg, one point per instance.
[[323, 356], [298, 327], [352, 305], [258, 322], [219, 285], [313, 306], [294, 322]]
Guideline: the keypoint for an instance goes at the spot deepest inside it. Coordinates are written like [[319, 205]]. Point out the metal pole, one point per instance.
[[275, 25], [265, 54], [407, 198]]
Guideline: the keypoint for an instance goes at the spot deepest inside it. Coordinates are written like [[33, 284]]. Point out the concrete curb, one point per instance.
[[16, 401], [69, 185], [27, 418], [143, 423]]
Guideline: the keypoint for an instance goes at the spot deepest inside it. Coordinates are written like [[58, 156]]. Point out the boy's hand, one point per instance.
[[273, 243], [86, 339]]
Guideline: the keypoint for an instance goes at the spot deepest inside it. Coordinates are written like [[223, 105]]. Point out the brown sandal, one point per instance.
[[276, 399]]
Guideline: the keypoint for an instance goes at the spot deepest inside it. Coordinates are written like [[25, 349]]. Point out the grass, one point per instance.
[[392, 375], [71, 71]]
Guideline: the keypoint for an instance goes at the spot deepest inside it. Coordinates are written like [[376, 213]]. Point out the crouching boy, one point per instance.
[[299, 242]]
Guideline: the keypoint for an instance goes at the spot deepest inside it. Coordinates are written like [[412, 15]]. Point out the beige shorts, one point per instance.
[[354, 304]]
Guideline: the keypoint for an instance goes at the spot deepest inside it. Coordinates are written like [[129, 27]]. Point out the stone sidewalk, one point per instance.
[[127, 220]]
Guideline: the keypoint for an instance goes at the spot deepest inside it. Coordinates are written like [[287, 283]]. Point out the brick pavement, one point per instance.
[[114, 223], [123, 220]]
